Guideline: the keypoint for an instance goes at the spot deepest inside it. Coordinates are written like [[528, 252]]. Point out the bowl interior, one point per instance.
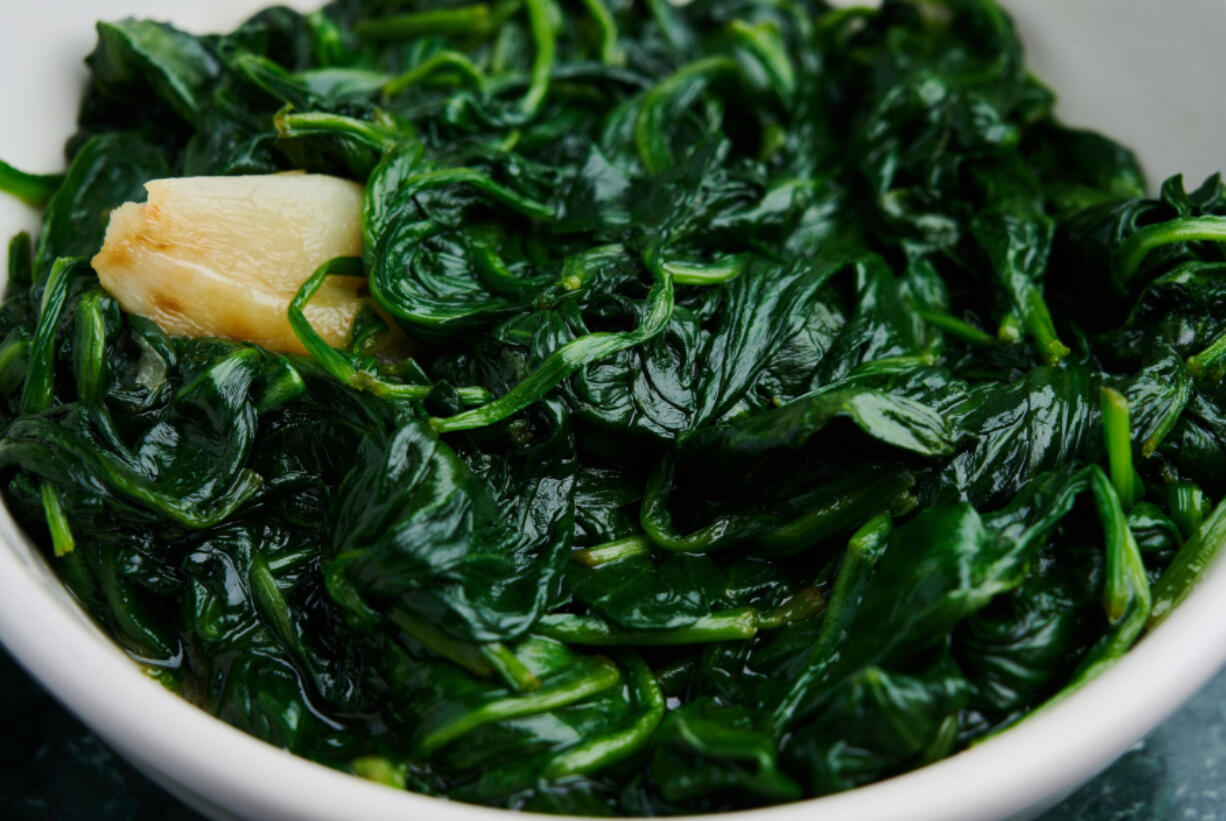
[[1127, 67]]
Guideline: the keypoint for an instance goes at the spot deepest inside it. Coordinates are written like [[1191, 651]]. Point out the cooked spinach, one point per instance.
[[795, 400]]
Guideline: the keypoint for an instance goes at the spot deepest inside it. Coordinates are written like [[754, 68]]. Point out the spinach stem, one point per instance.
[[570, 357], [32, 189], [1117, 438], [14, 353], [1210, 364], [21, 261], [507, 664], [380, 770], [585, 676], [1010, 329], [840, 513], [602, 750], [1127, 599], [1137, 247], [805, 603], [62, 541], [376, 135], [1189, 565], [541, 15], [1039, 323], [441, 61], [89, 346], [470, 21], [956, 328], [40, 375], [468, 656], [649, 134], [351, 369], [1187, 505], [674, 676], [864, 549], [271, 600], [610, 54], [763, 42], [612, 551], [710, 273], [725, 625]]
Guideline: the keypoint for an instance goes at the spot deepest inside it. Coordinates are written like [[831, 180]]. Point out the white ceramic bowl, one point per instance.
[[1143, 72]]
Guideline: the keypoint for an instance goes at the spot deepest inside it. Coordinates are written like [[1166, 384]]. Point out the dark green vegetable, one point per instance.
[[796, 402]]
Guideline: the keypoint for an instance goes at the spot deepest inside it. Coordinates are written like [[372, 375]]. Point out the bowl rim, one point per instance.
[[1045, 756], [148, 723]]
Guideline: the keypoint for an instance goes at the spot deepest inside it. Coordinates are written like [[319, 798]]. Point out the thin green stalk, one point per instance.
[[806, 602], [502, 195], [610, 54], [380, 770], [890, 365], [89, 346], [441, 61], [21, 261], [494, 272], [471, 21], [62, 541], [32, 189], [650, 135], [290, 562], [267, 594], [657, 520], [1127, 600], [508, 665], [839, 514], [14, 355], [1117, 438], [707, 273], [1189, 565], [358, 373], [39, 390], [613, 551], [541, 15], [600, 751], [1181, 394], [40, 376], [571, 357], [465, 654], [1010, 329], [330, 46], [864, 549], [762, 40], [376, 135], [1210, 364], [1126, 584], [1041, 328], [1136, 248], [957, 328], [725, 625], [583, 677], [1186, 502]]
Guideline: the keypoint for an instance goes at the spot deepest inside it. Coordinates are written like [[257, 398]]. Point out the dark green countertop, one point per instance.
[[54, 769]]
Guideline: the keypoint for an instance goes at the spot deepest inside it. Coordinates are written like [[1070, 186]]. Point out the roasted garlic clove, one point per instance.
[[223, 256]]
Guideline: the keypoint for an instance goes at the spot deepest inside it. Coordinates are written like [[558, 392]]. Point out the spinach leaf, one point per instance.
[[754, 400]]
